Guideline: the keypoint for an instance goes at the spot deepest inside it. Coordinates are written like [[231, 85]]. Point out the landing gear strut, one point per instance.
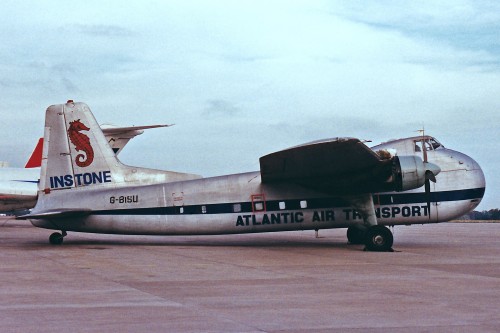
[[57, 238]]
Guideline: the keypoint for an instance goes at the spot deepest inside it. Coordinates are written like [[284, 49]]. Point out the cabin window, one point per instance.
[[237, 208], [258, 203], [303, 204], [259, 206], [282, 205]]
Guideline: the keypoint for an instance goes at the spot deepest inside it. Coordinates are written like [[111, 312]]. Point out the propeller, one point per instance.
[[428, 178], [431, 170]]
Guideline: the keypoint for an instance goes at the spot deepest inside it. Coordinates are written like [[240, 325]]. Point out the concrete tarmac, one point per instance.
[[441, 278]]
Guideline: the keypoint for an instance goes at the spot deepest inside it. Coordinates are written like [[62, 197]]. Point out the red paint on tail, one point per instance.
[[35, 160], [81, 142]]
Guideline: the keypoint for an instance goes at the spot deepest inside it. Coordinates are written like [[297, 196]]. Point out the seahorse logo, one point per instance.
[[81, 142]]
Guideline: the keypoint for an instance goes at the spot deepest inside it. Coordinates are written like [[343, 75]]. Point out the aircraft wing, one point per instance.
[[18, 188], [338, 166], [14, 201]]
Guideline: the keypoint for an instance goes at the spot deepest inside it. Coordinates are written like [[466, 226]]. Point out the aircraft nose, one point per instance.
[[463, 175], [480, 179], [473, 167], [474, 176]]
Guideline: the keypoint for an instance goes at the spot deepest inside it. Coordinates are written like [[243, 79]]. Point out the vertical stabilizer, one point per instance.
[[76, 152]]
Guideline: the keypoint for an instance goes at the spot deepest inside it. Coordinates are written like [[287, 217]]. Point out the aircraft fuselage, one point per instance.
[[322, 184], [241, 204]]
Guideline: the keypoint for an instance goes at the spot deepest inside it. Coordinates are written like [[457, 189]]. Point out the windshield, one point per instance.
[[435, 143], [429, 143]]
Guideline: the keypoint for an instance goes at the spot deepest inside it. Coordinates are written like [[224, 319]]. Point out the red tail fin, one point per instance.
[[35, 160]]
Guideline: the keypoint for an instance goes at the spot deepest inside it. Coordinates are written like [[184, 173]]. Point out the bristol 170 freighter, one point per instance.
[[334, 183]]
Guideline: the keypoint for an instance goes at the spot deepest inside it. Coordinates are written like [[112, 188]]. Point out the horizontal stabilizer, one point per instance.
[[111, 130], [118, 137]]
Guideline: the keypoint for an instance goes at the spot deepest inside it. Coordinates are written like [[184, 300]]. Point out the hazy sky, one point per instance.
[[241, 79]]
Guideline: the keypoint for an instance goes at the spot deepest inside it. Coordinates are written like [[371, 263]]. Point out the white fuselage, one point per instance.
[[241, 204]]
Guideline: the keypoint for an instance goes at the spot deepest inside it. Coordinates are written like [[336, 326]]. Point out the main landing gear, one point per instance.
[[376, 237], [57, 238]]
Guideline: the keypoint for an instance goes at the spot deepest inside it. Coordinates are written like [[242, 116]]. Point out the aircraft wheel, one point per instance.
[[356, 234], [56, 238], [378, 238]]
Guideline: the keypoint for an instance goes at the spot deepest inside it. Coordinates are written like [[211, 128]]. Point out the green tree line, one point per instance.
[[492, 214]]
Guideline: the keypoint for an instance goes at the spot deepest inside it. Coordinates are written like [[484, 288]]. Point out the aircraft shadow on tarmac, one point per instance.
[[252, 241]]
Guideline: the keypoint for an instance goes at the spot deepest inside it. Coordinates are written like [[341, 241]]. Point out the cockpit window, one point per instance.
[[435, 143], [428, 144]]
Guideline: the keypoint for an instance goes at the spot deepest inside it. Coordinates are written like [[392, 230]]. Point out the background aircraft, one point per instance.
[[335, 183], [18, 186]]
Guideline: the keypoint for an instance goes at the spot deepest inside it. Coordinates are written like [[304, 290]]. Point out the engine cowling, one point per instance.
[[409, 172]]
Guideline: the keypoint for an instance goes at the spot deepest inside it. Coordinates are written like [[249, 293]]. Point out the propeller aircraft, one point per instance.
[[333, 183]]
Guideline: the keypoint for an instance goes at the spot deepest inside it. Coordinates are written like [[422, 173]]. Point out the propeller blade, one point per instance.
[[431, 171], [428, 196], [429, 175]]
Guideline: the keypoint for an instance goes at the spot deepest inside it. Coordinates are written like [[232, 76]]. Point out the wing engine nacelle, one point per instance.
[[410, 172]]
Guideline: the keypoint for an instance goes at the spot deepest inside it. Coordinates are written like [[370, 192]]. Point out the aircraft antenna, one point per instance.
[[422, 131]]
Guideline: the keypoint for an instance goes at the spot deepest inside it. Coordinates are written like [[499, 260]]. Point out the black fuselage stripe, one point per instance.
[[314, 203]]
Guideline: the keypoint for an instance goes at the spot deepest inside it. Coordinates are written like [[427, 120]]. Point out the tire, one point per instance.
[[378, 238], [56, 238], [356, 234]]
